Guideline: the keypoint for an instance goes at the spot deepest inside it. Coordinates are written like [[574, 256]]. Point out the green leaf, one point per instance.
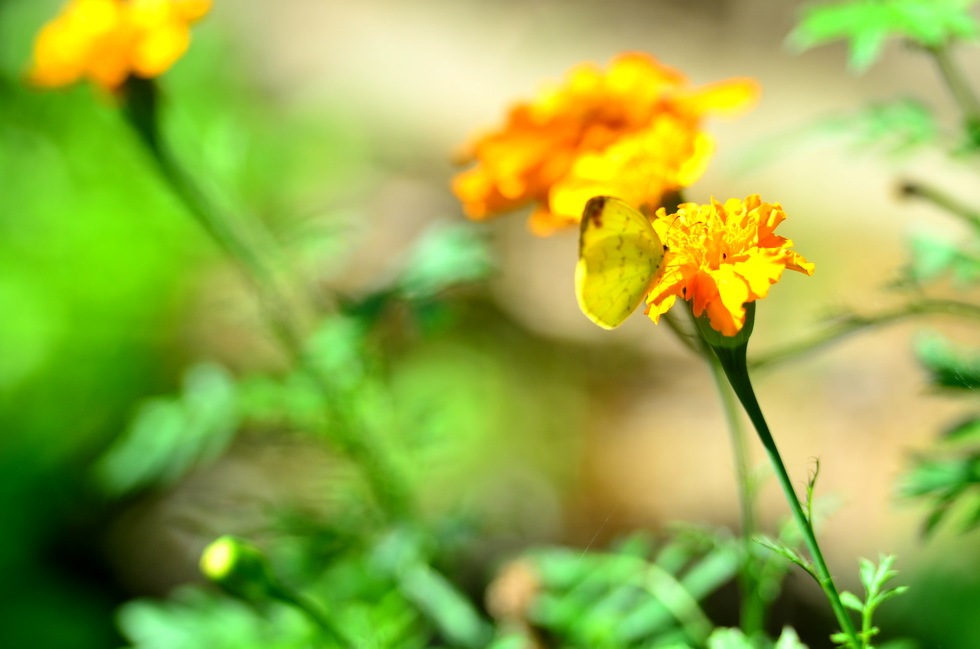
[[966, 430], [788, 639], [445, 256], [729, 639], [786, 551], [194, 619], [940, 476], [811, 485], [170, 435], [949, 365], [851, 601], [935, 517], [867, 24], [450, 611], [935, 256]]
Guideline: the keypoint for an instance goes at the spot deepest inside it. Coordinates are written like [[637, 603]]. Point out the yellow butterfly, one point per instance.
[[620, 257]]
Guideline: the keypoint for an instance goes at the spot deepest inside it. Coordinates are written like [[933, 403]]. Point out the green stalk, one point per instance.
[[853, 322], [959, 88], [361, 445], [753, 611], [731, 353], [944, 201], [313, 612]]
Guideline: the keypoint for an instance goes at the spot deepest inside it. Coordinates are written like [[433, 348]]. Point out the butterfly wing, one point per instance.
[[619, 259]]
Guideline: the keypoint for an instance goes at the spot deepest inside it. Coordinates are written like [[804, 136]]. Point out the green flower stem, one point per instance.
[[386, 482], [753, 610], [313, 612], [853, 323], [733, 362], [943, 201]]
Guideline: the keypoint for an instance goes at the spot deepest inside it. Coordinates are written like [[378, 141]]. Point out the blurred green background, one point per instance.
[[145, 408]]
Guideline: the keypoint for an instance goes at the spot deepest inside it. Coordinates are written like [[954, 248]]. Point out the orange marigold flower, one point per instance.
[[721, 256], [106, 41], [632, 131]]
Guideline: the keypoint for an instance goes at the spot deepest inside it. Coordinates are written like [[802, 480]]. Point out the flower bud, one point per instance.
[[239, 568]]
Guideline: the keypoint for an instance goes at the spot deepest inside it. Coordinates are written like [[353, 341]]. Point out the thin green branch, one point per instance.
[[958, 85], [314, 613], [360, 444], [852, 323], [944, 201]]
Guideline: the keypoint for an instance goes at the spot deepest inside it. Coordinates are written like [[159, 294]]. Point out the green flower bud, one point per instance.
[[239, 568]]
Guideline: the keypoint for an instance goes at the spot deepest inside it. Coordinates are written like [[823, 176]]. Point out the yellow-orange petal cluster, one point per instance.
[[106, 41], [632, 131], [721, 256]]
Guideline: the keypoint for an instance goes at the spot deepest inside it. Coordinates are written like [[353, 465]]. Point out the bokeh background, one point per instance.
[[335, 124]]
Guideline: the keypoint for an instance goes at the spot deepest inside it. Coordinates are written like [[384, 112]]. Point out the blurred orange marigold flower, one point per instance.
[[106, 41], [719, 257], [632, 131]]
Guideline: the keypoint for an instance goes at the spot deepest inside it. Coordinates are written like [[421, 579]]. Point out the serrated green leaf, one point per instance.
[[851, 601], [934, 518], [942, 476], [786, 551], [868, 574], [169, 435], [966, 430], [867, 24], [445, 256], [971, 520], [935, 256], [888, 594], [949, 365]]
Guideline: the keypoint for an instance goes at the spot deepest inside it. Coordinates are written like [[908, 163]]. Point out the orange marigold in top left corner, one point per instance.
[[632, 131], [106, 41]]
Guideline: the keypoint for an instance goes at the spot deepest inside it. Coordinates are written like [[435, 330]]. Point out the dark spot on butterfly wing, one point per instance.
[[593, 211]]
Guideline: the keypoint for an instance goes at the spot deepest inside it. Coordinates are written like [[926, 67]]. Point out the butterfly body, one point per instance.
[[620, 258]]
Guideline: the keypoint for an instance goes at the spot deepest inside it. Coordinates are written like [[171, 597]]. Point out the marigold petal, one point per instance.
[[160, 48], [721, 256], [727, 310], [691, 170], [760, 270], [728, 97], [108, 40], [632, 130], [655, 310]]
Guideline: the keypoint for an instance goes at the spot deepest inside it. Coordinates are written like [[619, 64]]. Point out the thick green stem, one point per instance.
[[734, 364], [753, 607], [361, 445]]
